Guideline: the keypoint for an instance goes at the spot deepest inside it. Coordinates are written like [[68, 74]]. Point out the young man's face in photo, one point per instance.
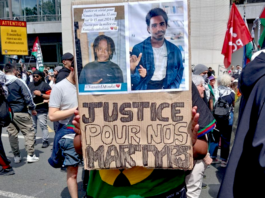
[[157, 27], [103, 51]]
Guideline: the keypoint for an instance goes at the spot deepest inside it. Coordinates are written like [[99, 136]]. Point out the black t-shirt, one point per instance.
[[108, 71], [206, 119], [42, 87]]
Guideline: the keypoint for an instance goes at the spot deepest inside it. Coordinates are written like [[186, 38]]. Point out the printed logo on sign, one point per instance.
[[98, 87]]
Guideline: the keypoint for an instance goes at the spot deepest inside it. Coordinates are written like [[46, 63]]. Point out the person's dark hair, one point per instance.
[[209, 73], [210, 68], [110, 43], [9, 68], [156, 12]]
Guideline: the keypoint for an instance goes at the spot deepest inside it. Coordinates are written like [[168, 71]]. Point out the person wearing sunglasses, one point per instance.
[[40, 91]]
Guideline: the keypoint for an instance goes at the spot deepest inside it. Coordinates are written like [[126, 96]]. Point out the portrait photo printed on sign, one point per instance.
[[104, 58], [158, 40], [134, 47]]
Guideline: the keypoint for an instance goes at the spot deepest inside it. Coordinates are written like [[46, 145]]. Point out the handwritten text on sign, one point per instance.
[[121, 143], [100, 19]]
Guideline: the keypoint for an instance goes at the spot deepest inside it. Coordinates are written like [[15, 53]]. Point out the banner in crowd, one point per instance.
[[37, 53], [14, 40], [134, 86]]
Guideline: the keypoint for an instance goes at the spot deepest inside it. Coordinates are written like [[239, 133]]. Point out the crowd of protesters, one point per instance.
[[35, 96]]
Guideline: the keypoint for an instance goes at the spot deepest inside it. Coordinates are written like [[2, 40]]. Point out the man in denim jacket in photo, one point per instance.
[[156, 63]]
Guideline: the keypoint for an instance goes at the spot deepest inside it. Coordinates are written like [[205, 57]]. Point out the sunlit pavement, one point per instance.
[[37, 179]]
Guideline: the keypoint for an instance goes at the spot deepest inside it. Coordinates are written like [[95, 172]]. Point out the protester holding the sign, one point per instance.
[[165, 69], [142, 182], [63, 102], [40, 91], [67, 60], [20, 100], [102, 70]]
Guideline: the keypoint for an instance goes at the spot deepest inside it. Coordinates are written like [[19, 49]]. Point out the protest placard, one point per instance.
[[133, 86]]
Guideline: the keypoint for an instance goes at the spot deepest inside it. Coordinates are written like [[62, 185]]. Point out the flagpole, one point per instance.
[[29, 60]]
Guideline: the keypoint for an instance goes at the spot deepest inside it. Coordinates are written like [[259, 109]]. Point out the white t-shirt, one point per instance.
[[160, 59], [63, 96]]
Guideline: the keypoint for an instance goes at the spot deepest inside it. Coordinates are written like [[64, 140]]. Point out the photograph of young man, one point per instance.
[[156, 63]]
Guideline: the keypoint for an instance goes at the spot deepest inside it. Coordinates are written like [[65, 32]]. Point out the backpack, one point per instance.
[[6, 113], [221, 110]]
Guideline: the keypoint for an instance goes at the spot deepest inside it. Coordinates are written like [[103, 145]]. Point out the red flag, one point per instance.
[[237, 35]]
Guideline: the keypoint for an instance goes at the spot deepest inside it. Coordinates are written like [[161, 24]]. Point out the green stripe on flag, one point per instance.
[[262, 36], [249, 50]]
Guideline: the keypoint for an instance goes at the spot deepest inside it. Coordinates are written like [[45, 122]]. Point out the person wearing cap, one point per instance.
[[67, 60], [40, 91], [202, 70]]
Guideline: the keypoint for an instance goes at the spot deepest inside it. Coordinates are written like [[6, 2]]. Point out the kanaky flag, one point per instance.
[[262, 21], [237, 35]]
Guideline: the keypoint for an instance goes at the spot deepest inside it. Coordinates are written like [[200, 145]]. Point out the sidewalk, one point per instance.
[[214, 175]]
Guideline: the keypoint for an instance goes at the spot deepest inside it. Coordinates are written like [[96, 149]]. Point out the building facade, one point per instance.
[[43, 20]]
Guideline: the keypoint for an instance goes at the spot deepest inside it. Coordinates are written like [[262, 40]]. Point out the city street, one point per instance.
[[37, 179], [41, 180]]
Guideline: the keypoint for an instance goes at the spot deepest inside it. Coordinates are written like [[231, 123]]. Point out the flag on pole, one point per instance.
[[262, 21], [237, 35], [36, 51], [248, 50]]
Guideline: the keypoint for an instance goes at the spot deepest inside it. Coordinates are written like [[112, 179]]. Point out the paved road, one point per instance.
[[40, 180], [36, 180]]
